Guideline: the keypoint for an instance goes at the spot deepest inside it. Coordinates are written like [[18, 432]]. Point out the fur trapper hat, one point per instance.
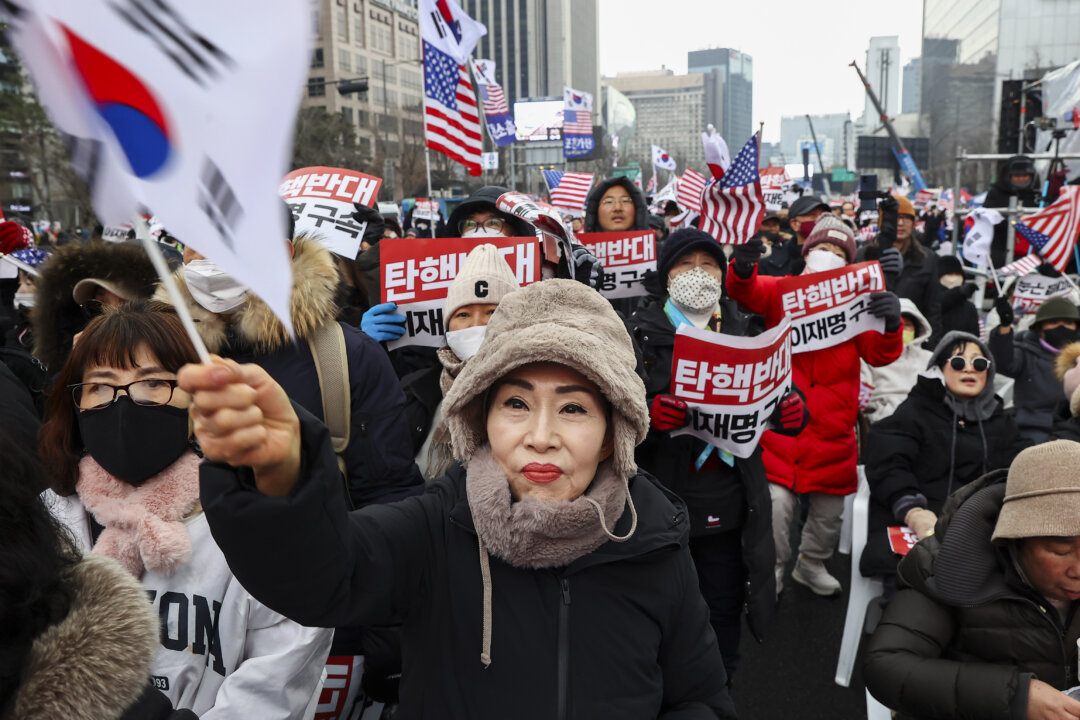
[[557, 321], [1067, 371]]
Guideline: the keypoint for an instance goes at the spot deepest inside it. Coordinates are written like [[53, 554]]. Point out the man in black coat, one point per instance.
[[1017, 179]]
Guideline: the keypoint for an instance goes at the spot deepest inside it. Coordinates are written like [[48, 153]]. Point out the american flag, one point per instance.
[[691, 185], [451, 118], [1052, 231], [650, 188], [577, 122], [733, 207], [1020, 267], [494, 99], [568, 190]]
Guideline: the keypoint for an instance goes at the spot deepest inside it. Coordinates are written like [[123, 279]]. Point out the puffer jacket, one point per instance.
[[736, 497], [924, 450], [620, 632], [822, 457], [894, 381], [379, 457], [965, 634], [1037, 392]]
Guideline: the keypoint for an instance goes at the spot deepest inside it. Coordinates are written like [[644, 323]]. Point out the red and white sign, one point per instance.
[[416, 275], [322, 202], [1033, 290], [731, 384], [923, 199], [341, 687], [426, 209], [773, 182], [831, 307], [626, 257], [902, 539]]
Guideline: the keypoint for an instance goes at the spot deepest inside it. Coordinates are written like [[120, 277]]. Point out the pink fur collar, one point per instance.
[[143, 525]]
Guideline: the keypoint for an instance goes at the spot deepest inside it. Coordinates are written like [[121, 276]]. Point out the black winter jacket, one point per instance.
[[731, 498], [918, 281], [923, 449], [997, 196], [1037, 392], [965, 634], [621, 632], [957, 313]]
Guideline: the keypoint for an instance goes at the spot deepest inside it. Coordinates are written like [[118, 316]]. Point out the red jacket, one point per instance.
[[822, 457]]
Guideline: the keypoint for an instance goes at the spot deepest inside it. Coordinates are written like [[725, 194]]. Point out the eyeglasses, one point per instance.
[[612, 202], [149, 392], [493, 223], [979, 364]]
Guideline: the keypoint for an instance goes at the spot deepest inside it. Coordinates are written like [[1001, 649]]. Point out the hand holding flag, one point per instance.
[[733, 207]]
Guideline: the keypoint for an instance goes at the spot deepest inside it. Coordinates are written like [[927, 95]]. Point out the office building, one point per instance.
[[882, 70], [736, 104], [830, 132], [909, 98]]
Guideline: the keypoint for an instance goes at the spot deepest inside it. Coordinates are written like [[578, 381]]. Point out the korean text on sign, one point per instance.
[[322, 201], [416, 274], [626, 257], [1033, 290], [831, 307], [731, 385]]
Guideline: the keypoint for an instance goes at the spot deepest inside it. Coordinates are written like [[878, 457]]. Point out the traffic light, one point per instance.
[[346, 87]]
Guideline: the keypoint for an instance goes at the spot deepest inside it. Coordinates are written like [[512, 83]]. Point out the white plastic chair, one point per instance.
[[844, 547], [875, 710], [863, 589]]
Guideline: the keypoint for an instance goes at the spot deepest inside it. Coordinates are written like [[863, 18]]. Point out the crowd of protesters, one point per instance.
[[512, 525]]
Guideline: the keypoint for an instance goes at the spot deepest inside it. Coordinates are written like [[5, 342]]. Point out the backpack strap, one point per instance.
[[332, 366]]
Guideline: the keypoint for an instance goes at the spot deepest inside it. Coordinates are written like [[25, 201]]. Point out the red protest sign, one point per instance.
[[831, 307], [328, 183], [902, 539], [322, 203], [731, 385], [626, 256]]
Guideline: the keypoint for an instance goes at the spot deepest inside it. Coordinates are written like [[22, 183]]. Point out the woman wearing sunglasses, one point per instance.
[[124, 479], [949, 431]]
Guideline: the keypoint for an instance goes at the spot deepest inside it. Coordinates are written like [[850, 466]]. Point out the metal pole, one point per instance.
[[1010, 238], [1023, 117], [427, 164], [513, 166], [956, 203]]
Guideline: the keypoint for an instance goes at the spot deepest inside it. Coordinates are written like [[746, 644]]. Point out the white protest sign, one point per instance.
[[416, 274], [831, 307], [1033, 290], [156, 103], [322, 201], [426, 209], [731, 384], [774, 180], [626, 257]]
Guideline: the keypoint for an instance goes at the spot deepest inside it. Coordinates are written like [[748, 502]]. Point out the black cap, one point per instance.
[[949, 265], [683, 241], [805, 205]]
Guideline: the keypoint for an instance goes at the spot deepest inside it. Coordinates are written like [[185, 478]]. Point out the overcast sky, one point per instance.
[[801, 50]]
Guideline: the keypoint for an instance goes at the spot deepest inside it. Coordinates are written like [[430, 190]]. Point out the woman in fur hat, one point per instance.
[[124, 480], [542, 577]]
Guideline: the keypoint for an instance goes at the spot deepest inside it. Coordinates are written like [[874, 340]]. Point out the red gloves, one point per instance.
[[668, 413], [791, 415], [14, 237]]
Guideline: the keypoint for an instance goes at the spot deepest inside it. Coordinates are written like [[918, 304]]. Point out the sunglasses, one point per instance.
[[979, 364]]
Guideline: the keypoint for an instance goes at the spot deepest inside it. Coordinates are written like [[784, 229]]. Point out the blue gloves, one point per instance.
[[383, 322]]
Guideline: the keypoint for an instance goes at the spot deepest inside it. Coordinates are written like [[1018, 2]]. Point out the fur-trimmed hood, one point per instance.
[[95, 663], [56, 318], [315, 280]]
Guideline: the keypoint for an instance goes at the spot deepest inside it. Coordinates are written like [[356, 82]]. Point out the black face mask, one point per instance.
[[134, 442], [1060, 336]]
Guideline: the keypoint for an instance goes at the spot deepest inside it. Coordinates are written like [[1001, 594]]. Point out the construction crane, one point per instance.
[[903, 157], [817, 149]]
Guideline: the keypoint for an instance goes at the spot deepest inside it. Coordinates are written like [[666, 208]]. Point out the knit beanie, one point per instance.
[[831, 229], [949, 265], [484, 278], [557, 321], [685, 241], [906, 208], [1042, 493], [1057, 308]]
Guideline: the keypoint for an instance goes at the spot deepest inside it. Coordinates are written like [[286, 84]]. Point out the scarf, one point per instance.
[[451, 367], [143, 525]]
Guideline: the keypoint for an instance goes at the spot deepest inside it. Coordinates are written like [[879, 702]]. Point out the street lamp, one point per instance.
[[382, 121]]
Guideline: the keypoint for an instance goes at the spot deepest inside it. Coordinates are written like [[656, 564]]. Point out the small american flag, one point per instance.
[[691, 185], [1052, 231], [494, 99], [577, 122], [568, 190], [650, 188], [733, 207], [1020, 267], [451, 117]]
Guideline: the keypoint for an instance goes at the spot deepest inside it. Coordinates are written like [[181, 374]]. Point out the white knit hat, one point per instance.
[[484, 278]]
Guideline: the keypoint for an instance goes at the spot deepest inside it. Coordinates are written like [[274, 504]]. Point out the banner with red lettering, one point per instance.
[[831, 307], [322, 199], [774, 180], [626, 256], [416, 274], [731, 384], [1033, 290]]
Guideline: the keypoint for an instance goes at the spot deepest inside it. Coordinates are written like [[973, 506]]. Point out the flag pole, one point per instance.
[[427, 164], [142, 231]]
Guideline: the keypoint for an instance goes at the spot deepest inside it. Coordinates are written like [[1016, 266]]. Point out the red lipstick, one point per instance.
[[542, 472]]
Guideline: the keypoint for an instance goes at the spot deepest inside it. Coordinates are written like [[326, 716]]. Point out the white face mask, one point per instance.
[[466, 342], [481, 232], [822, 260], [952, 280], [212, 288], [25, 300], [695, 290]]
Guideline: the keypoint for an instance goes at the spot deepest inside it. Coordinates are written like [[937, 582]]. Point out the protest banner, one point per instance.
[[902, 539], [426, 209], [774, 180], [626, 257], [731, 384], [831, 307], [322, 203], [1033, 290], [416, 275]]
